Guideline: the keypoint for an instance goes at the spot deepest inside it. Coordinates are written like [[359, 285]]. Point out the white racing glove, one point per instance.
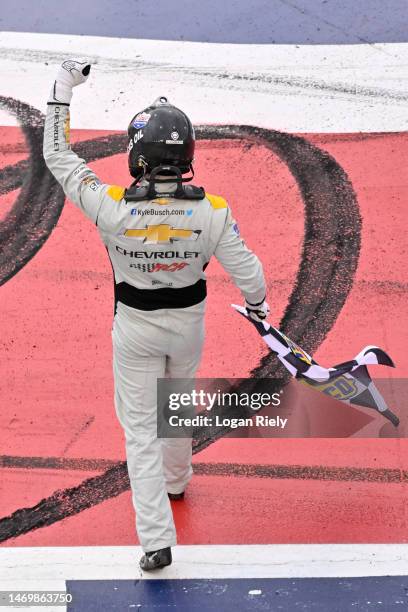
[[70, 74], [258, 312]]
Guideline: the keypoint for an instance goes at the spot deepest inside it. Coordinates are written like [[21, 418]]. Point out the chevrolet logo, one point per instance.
[[161, 201], [153, 234]]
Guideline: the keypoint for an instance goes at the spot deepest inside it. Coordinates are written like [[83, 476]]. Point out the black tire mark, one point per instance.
[[115, 481], [11, 177], [258, 470], [329, 259], [39, 203], [332, 234], [56, 463]]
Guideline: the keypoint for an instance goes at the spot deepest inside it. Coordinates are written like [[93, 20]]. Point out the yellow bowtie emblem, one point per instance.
[[153, 234], [161, 201]]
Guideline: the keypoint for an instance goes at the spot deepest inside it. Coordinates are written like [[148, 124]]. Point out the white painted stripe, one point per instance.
[[241, 561], [309, 88]]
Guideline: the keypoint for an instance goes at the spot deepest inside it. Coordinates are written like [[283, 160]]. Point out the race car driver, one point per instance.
[[158, 259]]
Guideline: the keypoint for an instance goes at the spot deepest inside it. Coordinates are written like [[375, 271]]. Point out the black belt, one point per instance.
[[165, 297]]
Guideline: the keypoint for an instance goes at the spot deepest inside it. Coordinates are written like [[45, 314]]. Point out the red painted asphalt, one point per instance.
[[56, 383]]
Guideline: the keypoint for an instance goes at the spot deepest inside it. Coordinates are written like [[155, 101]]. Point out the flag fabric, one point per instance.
[[348, 382]]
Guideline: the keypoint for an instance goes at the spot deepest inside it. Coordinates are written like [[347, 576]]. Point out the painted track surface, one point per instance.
[[332, 594], [55, 348]]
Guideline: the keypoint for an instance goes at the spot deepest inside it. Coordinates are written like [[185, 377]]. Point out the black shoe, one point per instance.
[[156, 559], [176, 496]]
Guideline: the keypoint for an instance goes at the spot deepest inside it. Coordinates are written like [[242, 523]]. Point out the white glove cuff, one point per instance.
[[257, 306], [60, 92]]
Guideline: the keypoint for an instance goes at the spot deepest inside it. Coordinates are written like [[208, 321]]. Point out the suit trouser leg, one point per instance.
[[182, 362], [136, 369]]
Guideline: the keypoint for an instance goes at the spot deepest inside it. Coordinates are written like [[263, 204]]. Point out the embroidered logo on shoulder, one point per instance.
[[91, 181], [95, 185]]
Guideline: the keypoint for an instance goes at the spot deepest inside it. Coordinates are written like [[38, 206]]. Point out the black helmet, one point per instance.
[[161, 134]]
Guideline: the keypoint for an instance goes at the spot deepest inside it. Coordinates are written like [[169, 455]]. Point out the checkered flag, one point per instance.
[[348, 382]]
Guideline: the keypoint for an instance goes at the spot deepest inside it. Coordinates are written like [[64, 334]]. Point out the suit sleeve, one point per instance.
[[240, 262], [78, 181]]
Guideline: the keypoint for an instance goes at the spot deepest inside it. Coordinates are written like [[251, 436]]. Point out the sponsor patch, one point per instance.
[[162, 201], [141, 120], [158, 254], [57, 111], [148, 267], [92, 181], [173, 267], [159, 267], [138, 135], [154, 234], [156, 282], [81, 168], [146, 212], [95, 185]]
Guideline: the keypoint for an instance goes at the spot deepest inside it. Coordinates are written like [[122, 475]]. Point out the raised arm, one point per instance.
[[79, 182]]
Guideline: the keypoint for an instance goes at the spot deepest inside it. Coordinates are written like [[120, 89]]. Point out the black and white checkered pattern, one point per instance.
[[147, 267], [348, 382]]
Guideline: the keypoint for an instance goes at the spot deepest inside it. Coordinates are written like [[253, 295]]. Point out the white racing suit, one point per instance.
[[158, 250]]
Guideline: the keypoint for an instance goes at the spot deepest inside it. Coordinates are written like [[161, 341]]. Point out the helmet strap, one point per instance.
[[189, 178]]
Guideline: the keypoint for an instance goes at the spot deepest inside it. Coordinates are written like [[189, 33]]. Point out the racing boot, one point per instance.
[[156, 559], [176, 496]]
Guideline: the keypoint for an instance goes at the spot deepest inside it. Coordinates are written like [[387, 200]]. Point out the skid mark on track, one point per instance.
[[114, 481], [301, 472]]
